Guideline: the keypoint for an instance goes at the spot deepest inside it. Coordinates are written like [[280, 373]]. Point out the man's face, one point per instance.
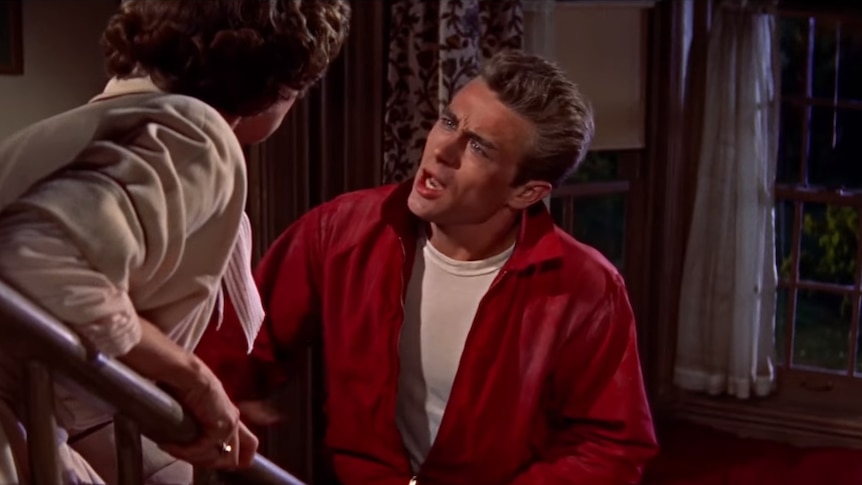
[[470, 160]]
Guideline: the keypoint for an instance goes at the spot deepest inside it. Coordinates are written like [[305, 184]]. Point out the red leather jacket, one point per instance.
[[549, 387]]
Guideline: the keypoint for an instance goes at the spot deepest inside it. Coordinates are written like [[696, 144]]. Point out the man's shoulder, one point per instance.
[[367, 197], [593, 268], [361, 205]]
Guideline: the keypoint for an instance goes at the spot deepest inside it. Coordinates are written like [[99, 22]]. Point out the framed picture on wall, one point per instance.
[[11, 52]]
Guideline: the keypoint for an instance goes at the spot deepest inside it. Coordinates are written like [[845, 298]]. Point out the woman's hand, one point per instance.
[[223, 442]]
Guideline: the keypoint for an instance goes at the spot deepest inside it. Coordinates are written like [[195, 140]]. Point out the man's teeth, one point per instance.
[[432, 184]]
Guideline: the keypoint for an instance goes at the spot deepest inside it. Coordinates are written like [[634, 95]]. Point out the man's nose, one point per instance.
[[448, 152]]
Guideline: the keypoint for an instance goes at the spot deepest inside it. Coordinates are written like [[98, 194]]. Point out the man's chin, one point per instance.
[[421, 207]]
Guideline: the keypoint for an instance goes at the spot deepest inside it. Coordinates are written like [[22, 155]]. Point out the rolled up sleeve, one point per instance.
[[38, 259]]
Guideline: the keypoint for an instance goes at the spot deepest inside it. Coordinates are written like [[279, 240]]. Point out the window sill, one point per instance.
[[770, 419]]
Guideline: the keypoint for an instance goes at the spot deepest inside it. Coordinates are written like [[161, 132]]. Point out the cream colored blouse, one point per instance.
[[129, 205]]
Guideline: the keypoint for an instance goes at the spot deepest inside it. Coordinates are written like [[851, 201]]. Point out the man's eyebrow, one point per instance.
[[485, 142], [481, 140]]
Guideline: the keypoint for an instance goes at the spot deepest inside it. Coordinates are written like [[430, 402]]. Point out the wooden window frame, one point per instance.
[[808, 387], [629, 182], [801, 412]]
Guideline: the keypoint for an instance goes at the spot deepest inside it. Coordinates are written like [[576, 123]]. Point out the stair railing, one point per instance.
[[52, 351]]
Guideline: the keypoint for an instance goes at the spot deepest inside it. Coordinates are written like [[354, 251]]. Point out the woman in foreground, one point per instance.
[[124, 217]]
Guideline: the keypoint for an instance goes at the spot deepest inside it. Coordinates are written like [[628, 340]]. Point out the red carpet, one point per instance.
[[698, 455]]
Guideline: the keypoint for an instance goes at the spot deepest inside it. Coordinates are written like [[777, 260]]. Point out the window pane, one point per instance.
[[600, 222], [823, 67], [790, 144], [596, 221], [794, 41], [597, 166], [835, 157], [781, 324], [828, 243], [850, 66], [783, 238], [822, 330]]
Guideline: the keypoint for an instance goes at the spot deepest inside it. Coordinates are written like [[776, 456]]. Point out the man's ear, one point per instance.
[[529, 193]]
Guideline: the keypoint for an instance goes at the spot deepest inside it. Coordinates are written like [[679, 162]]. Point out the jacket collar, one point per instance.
[[537, 242], [133, 85]]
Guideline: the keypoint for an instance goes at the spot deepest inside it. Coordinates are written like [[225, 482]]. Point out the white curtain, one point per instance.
[[727, 304]]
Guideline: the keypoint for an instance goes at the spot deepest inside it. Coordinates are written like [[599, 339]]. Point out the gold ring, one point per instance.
[[224, 448]]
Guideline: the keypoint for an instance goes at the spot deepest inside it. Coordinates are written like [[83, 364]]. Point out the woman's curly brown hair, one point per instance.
[[239, 56]]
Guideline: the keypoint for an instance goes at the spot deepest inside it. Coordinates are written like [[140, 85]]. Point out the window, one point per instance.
[[593, 204], [818, 200], [590, 206]]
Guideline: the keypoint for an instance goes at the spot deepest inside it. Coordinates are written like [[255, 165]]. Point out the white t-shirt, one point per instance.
[[442, 298]]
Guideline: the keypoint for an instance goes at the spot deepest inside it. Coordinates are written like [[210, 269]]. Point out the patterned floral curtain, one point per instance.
[[435, 47]]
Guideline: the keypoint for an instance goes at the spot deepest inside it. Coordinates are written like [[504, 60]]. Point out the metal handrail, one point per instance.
[[158, 416]]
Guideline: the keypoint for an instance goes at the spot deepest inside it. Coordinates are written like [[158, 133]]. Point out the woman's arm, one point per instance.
[[38, 259], [92, 241], [158, 358]]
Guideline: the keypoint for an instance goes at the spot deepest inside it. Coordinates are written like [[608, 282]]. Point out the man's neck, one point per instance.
[[473, 242]]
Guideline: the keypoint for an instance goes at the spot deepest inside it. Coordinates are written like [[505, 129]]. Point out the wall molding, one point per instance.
[[768, 419]]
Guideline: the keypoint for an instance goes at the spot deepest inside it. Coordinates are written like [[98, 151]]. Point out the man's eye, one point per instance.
[[477, 147]]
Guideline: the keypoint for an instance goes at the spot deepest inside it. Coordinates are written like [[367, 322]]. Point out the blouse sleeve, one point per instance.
[[35, 250], [95, 241]]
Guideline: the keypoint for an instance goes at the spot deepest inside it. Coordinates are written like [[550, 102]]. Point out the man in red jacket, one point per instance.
[[466, 338]]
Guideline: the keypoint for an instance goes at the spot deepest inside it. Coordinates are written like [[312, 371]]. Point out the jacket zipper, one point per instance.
[[403, 289], [401, 299], [403, 283], [396, 351], [415, 479]]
